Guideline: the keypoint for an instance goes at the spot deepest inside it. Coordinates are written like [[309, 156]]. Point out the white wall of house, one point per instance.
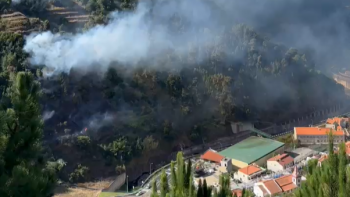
[[246, 178], [331, 126], [262, 161], [257, 191], [274, 166]]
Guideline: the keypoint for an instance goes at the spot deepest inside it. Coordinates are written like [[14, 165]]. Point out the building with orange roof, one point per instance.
[[284, 184], [317, 135], [322, 159], [347, 148], [237, 192], [248, 173], [280, 162], [212, 156], [337, 121]]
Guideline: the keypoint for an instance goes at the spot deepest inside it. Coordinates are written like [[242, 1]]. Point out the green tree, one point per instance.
[[188, 173], [164, 186], [342, 171], [154, 188], [23, 170], [200, 189]]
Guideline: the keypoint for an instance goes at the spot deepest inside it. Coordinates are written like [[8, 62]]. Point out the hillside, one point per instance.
[[135, 114]]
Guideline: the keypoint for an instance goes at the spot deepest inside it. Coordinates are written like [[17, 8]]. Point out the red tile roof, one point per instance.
[[249, 170], [286, 182], [272, 186], [283, 159], [238, 192], [322, 158], [213, 156], [337, 120], [263, 189], [316, 131]]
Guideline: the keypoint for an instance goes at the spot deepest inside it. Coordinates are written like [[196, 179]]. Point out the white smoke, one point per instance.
[[128, 38], [99, 120], [16, 1], [47, 115]]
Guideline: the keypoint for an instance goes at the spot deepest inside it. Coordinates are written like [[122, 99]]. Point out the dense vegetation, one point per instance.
[[103, 122], [182, 184], [23, 169], [332, 178]]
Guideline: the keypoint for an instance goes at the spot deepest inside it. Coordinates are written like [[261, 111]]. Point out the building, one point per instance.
[[248, 173], [333, 123], [317, 135], [237, 192], [347, 148], [322, 159], [238, 127], [227, 164], [255, 150], [280, 162], [284, 184], [212, 156]]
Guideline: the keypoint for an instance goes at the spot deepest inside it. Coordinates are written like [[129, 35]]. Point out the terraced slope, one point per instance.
[[70, 11], [18, 23]]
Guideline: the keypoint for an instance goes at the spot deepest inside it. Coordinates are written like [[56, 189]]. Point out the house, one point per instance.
[[284, 184], [227, 164], [280, 162], [238, 127], [237, 192], [322, 159], [347, 148], [248, 173], [316, 135], [259, 151], [212, 156], [333, 123]]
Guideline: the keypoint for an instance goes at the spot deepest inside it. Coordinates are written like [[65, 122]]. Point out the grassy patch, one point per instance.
[[109, 194]]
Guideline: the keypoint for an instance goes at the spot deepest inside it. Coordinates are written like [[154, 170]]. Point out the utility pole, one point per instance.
[[127, 184], [150, 169]]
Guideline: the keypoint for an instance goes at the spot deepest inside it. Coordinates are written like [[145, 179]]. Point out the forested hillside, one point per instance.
[[99, 121]]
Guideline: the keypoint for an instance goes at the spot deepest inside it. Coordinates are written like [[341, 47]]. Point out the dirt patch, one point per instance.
[[75, 192]]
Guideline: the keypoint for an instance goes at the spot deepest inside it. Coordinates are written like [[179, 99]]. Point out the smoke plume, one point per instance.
[[48, 114], [145, 34], [99, 120]]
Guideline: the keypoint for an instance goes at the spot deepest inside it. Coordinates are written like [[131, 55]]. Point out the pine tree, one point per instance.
[[188, 173], [23, 170], [191, 191], [342, 171], [180, 171], [225, 190], [164, 187], [200, 189], [347, 188], [332, 167], [205, 188], [154, 189], [173, 175]]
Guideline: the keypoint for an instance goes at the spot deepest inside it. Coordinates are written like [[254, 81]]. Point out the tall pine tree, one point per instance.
[[23, 171]]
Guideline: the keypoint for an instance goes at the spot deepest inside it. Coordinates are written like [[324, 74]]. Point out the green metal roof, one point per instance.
[[251, 149]]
